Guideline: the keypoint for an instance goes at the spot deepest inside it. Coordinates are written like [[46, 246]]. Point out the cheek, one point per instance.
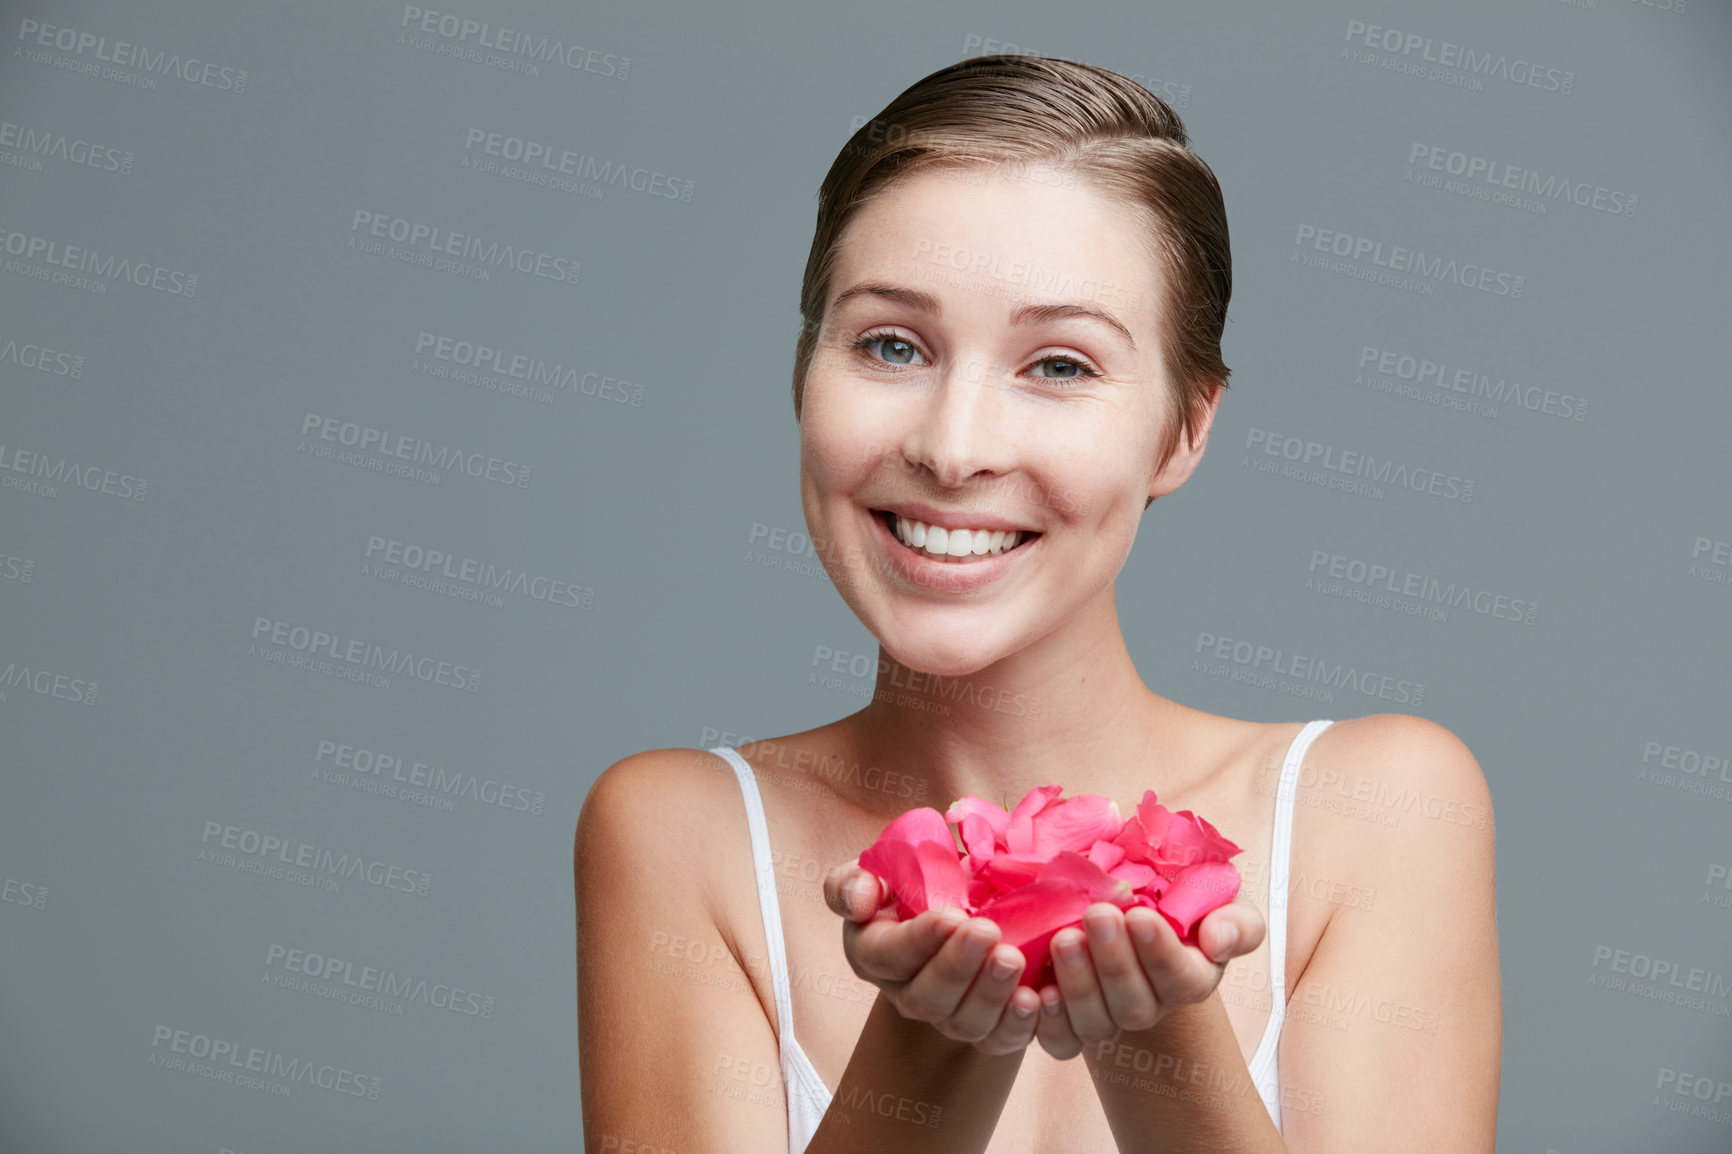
[[1096, 476], [822, 423], [843, 433], [833, 450]]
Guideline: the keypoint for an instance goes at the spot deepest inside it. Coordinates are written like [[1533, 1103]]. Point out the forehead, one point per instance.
[[1013, 234]]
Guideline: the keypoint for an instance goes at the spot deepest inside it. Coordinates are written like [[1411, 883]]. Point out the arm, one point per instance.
[[949, 1024], [680, 1054], [1414, 979], [1144, 1009], [674, 1049], [1182, 1085], [1393, 1032], [910, 1089]]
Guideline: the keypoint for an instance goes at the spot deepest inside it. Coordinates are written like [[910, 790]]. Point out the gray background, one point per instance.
[[655, 501]]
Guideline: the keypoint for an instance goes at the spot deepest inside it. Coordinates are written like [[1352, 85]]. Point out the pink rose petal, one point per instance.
[[1028, 917], [1097, 885], [1019, 832], [978, 838], [1190, 840], [1106, 854], [995, 816], [1075, 823], [918, 825], [1195, 892], [917, 857], [1035, 869], [1136, 873], [1007, 871], [920, 876]]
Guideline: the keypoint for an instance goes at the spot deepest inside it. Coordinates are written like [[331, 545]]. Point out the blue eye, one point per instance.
[[890, 348], [887, 348], [1077, 369]]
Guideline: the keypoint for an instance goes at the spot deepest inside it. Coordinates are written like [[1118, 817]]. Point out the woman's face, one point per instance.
[[988, 360]]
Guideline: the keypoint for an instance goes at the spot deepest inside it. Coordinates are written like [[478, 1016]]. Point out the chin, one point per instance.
[[960, 657]]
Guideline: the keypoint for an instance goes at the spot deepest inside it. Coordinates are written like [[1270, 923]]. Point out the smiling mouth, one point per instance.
[[959, 546]]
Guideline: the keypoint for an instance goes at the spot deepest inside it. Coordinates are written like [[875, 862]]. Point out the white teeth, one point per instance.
[[937, 541]]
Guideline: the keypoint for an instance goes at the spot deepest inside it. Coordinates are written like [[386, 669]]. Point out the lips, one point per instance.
[[956, 538], [953, 576], [953, 519]]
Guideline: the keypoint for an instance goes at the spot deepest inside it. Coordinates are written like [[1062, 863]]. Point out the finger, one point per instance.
[[1179, 974], [983, 1005], [833, 886], [1247, 926], [1054, 1029], [1090, 1019], [1016, 1025], [885, 950], [1130, 999], [854, 893], [934, 993]]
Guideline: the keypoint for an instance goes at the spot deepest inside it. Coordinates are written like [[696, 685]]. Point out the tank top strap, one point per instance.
[[1281, 852], [764, 868], [1280, 857]]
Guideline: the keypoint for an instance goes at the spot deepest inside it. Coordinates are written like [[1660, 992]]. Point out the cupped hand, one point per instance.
[[941, 967], [1130, 970]]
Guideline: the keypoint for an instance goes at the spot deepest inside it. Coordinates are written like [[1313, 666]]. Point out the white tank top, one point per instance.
[[807, 1095]]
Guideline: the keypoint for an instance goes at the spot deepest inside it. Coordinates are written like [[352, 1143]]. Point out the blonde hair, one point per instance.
[[1108, 130]]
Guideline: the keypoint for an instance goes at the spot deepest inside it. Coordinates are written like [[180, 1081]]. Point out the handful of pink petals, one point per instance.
[[1035, 869]]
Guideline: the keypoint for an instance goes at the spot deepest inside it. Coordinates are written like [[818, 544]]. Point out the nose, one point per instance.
[[962, 431]]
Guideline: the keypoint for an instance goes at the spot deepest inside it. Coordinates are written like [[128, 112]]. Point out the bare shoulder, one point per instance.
[[1401, 767], [1392, 795], [675, 770], [659, 806]]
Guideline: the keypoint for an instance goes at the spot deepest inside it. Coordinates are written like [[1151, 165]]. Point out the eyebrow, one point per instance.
[[1029, 314]]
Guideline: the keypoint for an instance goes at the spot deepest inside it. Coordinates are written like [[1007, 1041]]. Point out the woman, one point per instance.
[[1013, 308]]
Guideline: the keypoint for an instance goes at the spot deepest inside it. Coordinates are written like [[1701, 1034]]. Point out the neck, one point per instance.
[[1069, 708]]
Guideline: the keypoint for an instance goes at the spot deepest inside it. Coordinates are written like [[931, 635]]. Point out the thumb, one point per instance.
[[848, 891], [863, 894]]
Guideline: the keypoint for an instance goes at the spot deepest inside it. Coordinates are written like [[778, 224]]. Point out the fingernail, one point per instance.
[[976, 944], [1021, 1010], [1003, 967], [1143, 929], [853, 891], [1052, 1005], [1229, 939], [1103, 929], [1069, 951]]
